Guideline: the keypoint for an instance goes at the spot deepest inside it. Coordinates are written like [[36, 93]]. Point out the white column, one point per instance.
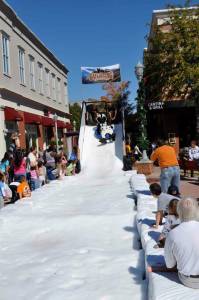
[[2, 136]]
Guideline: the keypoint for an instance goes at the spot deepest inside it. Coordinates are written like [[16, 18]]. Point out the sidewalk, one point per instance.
[[189, 186]]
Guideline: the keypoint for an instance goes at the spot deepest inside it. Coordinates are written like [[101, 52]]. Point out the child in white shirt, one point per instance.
[[172, 220]]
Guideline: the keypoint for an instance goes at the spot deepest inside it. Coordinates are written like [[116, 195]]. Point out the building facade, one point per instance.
[[33, 87], [173, 119]]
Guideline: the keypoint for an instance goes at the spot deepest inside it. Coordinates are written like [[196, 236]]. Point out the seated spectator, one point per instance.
[[194, 151], [13, 186], [70, 169], [23, 188], [182, 244], [162, 203], [74, 154], [172, 220], [41, 172], [5, 192], [2, 191], [62, 162], [4, 164]]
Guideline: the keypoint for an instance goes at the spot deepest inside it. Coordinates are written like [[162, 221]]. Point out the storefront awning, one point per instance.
[[47, 121], [32, 118], [69, 126], [12, 115], [61, 124]]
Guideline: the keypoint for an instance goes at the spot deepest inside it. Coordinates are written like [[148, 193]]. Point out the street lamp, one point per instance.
[[55, 117], [139, 70], [74, 125]]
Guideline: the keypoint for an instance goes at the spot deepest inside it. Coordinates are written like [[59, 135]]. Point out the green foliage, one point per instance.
[[172, 60], [76, 111], [142, 140]]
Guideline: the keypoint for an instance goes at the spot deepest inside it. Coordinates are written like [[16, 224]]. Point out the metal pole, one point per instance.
[[56, 135]]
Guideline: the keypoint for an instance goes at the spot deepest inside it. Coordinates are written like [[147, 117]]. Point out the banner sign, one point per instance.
[[101, 74]]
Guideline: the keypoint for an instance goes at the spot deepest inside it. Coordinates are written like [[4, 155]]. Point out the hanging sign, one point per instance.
[[100, 74]]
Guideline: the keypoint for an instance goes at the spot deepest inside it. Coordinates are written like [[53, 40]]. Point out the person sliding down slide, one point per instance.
[[104, 132]]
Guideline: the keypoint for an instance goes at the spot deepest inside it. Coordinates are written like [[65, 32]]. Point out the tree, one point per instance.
[[75, 110], [172, 61], [119, 92]]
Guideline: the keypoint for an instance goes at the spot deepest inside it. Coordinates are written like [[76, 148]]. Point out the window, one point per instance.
[[41, 83], [47, 83], [58, 90], [32, 72], [21, 66], [6, 54], [53, 87]]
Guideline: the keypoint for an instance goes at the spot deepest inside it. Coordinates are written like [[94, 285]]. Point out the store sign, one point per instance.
[[156, 105]]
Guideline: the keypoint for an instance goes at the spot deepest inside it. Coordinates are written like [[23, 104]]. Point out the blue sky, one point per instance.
[[92, 33]]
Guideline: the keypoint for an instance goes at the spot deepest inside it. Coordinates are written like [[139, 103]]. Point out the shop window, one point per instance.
[[31, 136]]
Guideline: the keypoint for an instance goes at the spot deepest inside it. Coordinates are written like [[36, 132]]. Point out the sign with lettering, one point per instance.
[[100, 74], [156, 105]]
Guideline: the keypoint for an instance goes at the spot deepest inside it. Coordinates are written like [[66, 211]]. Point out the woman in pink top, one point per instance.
[[19, 165]]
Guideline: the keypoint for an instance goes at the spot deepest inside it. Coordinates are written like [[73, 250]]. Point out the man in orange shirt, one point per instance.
[[170, 171]]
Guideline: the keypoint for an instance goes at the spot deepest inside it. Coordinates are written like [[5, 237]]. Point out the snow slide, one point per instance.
[[98, 160]]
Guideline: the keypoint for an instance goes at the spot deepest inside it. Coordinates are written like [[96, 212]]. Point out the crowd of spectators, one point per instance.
[[178, 237], [22, 172]]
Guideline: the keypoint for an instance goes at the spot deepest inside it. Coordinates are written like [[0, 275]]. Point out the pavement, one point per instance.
[[189, 186]]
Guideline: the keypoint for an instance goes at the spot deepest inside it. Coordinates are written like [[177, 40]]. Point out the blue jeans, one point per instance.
[[34, 184], [169, 176], [50, 175]]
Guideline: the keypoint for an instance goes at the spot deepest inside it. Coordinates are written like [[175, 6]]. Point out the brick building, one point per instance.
[[33, 86], [175, 119]]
